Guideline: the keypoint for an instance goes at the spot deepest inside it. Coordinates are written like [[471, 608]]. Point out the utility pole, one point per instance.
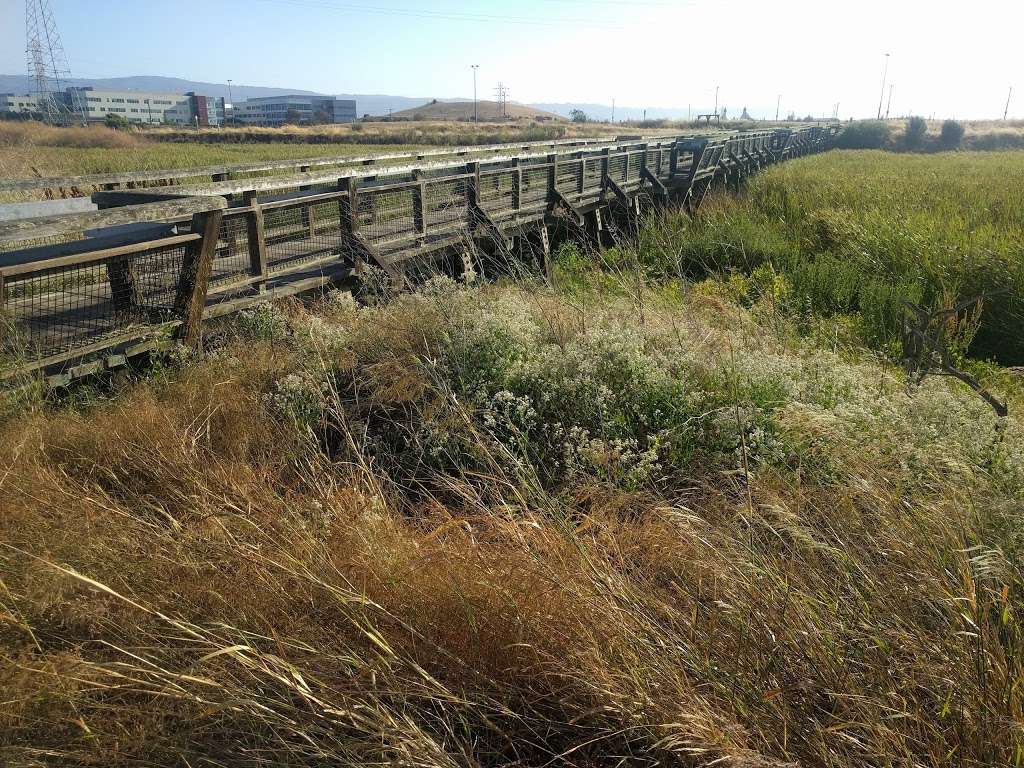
[[716, 100], [885, 74], [613, 109], [232, 100], [645, 115], [889, 103], [778, 103], [1008, 97], [476, 116]]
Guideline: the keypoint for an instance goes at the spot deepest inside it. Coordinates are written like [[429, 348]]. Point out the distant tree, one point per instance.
[[579, 116], [864, 134], [322, 116], [952, 134], [115, 121], [917, 129], [293, 116]]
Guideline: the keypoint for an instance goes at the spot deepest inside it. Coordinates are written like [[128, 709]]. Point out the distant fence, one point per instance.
[[81, 292]]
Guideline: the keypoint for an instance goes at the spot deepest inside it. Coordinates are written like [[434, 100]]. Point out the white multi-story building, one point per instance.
[[134, 106]]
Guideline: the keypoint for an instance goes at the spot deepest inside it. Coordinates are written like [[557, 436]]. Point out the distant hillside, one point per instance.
[[463, 110], [19, 84]]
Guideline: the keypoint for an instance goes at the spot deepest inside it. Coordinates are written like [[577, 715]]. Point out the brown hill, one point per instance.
[[463, 110]]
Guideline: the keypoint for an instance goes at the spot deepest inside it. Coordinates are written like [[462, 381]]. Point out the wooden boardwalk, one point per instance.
[[157, 261]]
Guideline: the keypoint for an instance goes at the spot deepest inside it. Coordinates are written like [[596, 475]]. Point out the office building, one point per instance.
[[134, 106], [278, 110]]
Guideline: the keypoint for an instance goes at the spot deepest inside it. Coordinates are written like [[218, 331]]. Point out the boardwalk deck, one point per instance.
[[67, 304]]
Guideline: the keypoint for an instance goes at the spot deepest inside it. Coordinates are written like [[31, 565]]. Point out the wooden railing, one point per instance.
[[81, 292], [83, 186]]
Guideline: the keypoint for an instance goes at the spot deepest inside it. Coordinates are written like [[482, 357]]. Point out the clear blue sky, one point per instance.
[[948, 58]]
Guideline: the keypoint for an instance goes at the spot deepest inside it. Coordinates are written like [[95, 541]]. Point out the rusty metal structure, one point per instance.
[[84, 292]]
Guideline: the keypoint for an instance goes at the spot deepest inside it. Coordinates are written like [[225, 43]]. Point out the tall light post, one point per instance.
[[716, 100], [885, 74], [1008, 97], [613, 110], [778, 103], [231, 100], [476, 117], [888, 104]]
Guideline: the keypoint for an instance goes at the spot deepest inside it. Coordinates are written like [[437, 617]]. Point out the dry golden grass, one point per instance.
[[193, 575]]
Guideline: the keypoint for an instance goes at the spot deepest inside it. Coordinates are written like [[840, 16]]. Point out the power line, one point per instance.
[[486, 18]]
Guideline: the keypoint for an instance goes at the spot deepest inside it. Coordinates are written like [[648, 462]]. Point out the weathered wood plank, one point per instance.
[[53, 226]]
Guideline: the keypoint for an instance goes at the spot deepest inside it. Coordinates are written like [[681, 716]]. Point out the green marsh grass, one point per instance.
[[858, 233]]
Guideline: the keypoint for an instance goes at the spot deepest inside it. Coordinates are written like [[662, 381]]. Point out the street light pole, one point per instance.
[[476, 117], [1008, 97], [778, 103], [716, 100], [232, 100], [885, 74], [613, 110]]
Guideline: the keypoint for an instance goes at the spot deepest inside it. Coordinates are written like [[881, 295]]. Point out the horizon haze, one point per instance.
[[654, 55]]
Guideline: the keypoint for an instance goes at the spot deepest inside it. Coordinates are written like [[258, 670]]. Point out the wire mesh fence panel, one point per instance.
[[231, 261], [569, 175], [446, 203], [617, 168], [535, 186], [634, 161], [387, 215], [654, 161], [592, 174], [58, 310], [495, 192], [301, 233]]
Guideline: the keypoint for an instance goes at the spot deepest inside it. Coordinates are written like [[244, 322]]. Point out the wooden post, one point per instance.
[[124, 285], [552, 177], [419, 198], [473, 195], [306, 211], [517, 185], [583, 174], [348, 211], [190, 299], [256, 236]]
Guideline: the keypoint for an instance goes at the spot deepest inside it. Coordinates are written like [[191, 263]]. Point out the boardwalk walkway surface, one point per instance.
[[83, 292]]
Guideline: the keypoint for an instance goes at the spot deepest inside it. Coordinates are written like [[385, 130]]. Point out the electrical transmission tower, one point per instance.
[[502, 93], [48, 66]]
